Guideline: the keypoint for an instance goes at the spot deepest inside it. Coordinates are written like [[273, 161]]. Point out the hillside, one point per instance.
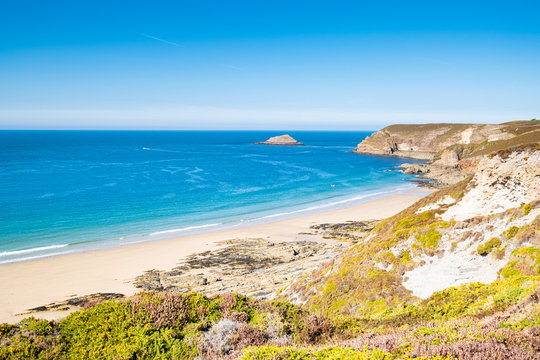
[[468, 251], [431, 245]]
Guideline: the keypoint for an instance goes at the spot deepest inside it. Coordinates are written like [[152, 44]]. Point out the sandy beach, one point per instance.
[[36, 283]]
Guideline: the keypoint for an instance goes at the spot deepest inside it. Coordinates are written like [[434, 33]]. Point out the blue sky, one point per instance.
[[338, 65]]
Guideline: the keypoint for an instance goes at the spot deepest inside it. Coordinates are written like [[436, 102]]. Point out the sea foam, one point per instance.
[[31, 250]]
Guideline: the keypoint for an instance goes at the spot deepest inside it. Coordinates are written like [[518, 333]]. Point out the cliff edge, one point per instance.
[[429, 141]]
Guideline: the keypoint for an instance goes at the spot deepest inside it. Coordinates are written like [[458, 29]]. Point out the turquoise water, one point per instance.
[[72, 191]]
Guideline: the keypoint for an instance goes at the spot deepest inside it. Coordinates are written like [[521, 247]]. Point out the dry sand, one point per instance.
[[36, 283]]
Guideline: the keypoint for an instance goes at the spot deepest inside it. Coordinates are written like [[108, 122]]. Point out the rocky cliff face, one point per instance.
[[425, 141], [453, 150], [500, 207]]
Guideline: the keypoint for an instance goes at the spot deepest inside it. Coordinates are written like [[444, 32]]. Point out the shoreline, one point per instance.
[[77, 247], [34, 283]]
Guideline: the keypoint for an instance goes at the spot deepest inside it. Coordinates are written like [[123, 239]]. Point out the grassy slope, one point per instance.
[[160, 326], [356, 285], [485, 148], [525, 132], [494, 146]]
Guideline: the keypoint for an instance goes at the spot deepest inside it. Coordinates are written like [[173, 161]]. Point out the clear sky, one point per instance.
[[273, 64]]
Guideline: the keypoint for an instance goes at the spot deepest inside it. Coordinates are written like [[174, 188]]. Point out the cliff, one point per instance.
[[429, 141]]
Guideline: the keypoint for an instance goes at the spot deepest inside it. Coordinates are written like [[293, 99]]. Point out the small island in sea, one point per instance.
[[281, 140]]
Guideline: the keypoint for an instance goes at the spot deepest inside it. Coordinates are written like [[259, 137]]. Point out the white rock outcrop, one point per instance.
[[499, 184]]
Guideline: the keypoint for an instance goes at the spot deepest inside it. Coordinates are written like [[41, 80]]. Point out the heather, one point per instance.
[[163, 326], [454, 323]]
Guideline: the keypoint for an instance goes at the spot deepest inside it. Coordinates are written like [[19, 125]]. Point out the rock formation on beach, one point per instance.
[[247, 266], [286, 140]]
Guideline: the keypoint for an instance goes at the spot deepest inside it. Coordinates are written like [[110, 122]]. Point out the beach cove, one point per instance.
[[36, 283]]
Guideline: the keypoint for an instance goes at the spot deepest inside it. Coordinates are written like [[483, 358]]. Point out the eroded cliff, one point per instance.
[[447, 143]]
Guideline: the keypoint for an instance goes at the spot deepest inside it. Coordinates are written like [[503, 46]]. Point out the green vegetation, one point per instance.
[[523, 262], [511, 232], [488, 246], [329, 353], [173, 326], [526, 321], [429, 239], [527, 209], [523, 143], [161, 326]]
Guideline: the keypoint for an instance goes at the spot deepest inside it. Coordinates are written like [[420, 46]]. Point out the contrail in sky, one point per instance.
[[162, 40]]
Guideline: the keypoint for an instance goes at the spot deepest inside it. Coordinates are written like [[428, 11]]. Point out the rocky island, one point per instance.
[[283, 140]]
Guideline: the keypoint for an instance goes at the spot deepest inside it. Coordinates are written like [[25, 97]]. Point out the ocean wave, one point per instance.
[[35, 257], [168, 196], [322, 206], [184, 229], [245, 190], [31, 250], [162, 150], [365, 196]]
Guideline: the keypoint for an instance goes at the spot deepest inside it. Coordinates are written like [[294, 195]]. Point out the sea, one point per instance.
[[64, 192]]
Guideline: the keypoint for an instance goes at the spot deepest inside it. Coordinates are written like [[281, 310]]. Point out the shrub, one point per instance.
[[511, 232], [317, 328], [217, 338], [5, 329], [430, 239], [329, 353], [248, 336], [524, 261], [488, 246], [163, 309]]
